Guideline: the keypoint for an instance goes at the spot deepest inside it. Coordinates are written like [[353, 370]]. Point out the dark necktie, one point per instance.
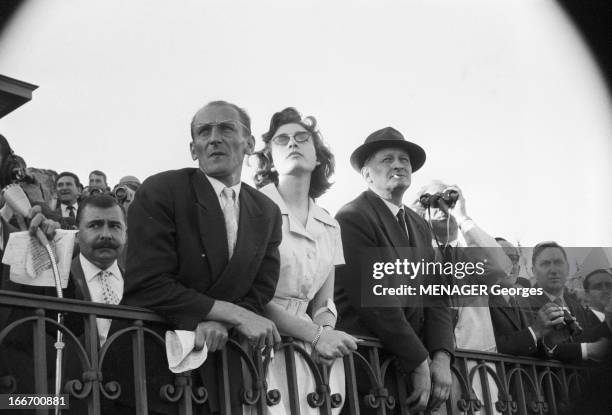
[[70, 211], [402, 221]]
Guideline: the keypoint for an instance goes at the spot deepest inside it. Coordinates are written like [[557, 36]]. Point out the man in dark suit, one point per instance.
[[378, 219], [597, 286], [551, 269], [203, 247], [69, 188], [513, 332]]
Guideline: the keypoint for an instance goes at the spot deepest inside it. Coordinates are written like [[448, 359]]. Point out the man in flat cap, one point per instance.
[[420, 337]]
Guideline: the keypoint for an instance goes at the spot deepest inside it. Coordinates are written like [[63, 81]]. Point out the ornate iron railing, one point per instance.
[[482, 383]]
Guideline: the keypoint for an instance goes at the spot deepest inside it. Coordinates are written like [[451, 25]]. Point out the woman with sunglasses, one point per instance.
[[294, 169]]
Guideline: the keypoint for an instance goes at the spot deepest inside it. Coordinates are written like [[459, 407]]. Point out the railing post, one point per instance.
[[294, 398], [326, 407], [223, 376], [91, 345], [487, 398], [352, 394], [140, 381], [40, 356], [375, 362], [401, 393]]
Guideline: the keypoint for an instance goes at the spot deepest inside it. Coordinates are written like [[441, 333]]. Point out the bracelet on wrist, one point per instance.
[[317, 336]]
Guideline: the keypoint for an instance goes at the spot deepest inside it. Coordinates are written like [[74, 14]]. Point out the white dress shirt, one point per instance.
[[66, 212], [91, 272]]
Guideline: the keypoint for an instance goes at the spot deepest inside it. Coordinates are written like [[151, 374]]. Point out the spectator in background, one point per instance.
[[452, 228], [16, 352], [98, 180], [514, 332], [124, 191], [598, 292], [69, 189], [6, 153], [551, 269], [514, 255]]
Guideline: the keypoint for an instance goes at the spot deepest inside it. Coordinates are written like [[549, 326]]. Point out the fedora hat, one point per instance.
[[385, 138]]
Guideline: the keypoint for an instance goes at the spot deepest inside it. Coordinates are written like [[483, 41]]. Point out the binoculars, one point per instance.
[[440, 200], [570, 322]]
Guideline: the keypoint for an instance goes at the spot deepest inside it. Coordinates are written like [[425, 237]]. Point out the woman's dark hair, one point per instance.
[[265, 172], [6, 162]]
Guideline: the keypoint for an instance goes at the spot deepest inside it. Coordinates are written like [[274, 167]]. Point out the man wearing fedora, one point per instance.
[[420, 337]]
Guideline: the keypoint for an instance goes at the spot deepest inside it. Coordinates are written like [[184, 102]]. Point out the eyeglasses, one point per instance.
[[228, 128], [299, 137]]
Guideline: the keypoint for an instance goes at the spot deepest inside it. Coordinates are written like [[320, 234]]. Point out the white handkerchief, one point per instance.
[[179, 349]]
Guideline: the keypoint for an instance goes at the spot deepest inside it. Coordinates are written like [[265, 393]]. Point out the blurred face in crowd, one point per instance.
[[102, 234], [388, 171], [599, 290], [514, 256], [96, 180], [296, 155], [551, 270], [67, 190], [219, 143]]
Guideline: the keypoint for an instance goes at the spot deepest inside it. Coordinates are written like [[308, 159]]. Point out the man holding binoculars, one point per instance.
[[568, 336]]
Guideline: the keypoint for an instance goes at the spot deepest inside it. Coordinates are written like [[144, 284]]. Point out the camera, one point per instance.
[[123, 193], [570, 322], [448, 197]]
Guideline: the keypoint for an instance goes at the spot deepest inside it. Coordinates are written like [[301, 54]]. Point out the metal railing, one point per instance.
[[483, 383]]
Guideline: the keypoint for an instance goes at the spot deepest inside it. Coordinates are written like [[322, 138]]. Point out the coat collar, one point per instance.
[[388, 222], [78, 279]]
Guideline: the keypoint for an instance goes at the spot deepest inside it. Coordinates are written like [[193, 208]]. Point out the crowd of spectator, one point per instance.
[[214, 256]]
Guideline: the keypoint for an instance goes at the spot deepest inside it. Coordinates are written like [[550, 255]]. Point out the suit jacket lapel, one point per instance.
[[251, 232], [211, 223], [508, 310], [78, 279], [388, 222]]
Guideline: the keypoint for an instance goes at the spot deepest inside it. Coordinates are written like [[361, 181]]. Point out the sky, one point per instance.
[[503, 95]]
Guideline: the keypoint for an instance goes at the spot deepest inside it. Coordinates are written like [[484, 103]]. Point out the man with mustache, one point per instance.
[[420, 337], [203, 252], [94, 274]]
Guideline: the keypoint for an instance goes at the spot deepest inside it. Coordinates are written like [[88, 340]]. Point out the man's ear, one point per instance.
[[194, 157], [365, 173], [250, 144]]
